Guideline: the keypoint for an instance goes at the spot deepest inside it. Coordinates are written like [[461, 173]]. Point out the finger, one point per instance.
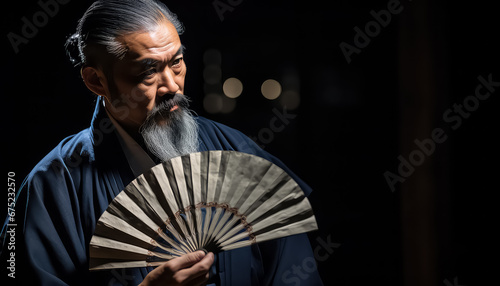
[[186, 260], [199, 269]]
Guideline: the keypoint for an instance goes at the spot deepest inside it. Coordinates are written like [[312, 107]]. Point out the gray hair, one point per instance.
[[106, 20]]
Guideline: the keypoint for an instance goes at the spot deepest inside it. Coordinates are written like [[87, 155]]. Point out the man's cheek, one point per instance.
[[135, 98], [138, 96], [180, 79]]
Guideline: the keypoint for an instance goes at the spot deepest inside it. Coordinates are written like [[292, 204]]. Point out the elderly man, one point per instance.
[[131, 57]]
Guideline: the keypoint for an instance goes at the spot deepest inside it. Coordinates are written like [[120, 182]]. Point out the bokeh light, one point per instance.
[[271, 89], [232, 87]]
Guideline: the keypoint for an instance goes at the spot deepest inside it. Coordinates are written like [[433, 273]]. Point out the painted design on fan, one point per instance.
[[215, 200], [187, 242], [235, 212]]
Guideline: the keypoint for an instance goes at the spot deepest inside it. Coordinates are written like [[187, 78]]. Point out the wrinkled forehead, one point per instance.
[[160, 43]]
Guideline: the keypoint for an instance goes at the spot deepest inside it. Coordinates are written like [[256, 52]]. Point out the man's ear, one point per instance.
[[95, 80]]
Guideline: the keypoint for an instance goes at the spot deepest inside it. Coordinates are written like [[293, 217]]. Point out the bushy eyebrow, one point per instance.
[[148, 62], [180, 51], [152, 62]]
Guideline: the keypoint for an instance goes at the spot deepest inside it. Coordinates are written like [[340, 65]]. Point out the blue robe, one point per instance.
[[67, 191]]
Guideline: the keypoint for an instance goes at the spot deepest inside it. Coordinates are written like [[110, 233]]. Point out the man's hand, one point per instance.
[[189, 269]]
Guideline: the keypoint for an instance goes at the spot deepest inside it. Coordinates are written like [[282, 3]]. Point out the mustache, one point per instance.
[[161, 112], [166, 103]]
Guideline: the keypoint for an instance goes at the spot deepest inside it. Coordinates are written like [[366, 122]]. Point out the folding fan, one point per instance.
[[214, 200]]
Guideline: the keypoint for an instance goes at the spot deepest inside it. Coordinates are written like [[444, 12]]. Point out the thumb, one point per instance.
[[187, 260]]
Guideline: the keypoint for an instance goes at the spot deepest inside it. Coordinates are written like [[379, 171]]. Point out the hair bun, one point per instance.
[[73, 49]]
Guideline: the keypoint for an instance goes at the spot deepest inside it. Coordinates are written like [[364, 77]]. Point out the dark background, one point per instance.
[[353, 121]]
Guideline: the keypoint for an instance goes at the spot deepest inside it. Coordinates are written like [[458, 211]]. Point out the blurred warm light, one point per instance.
[[271, 89], [290, 99], [212, 103], [232, 87]]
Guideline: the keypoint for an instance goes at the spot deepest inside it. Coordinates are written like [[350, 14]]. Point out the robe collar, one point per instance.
[[138, 159], [108, 154]]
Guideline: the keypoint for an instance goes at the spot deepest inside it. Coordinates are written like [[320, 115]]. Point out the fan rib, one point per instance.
[[306, 225], [280, 194], [138, 197], [183, 180], [282, 218], [167, 194], [120, 210], [255, 195], [103, 244], [221, 176], [194, 162], [213, 175], [113, 227], [174, 195]]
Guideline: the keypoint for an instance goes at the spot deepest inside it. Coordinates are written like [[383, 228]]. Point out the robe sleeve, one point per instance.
[[54, 251], [51, 245], [56, 212]]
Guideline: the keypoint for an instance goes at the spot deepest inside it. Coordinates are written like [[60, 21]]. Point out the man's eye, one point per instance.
[[177, 62], [149, 72]]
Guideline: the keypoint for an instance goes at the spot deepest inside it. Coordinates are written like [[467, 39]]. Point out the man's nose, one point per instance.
[[167, 84]]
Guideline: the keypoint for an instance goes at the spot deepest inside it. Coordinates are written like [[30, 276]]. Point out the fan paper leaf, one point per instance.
[[213, 200]]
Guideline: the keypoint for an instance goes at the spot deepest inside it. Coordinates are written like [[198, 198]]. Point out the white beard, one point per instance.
[[168, 134]]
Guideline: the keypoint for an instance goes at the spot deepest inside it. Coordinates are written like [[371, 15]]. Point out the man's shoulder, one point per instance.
[[211, 126], [222, 137], [204, 122], [71, 152]]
